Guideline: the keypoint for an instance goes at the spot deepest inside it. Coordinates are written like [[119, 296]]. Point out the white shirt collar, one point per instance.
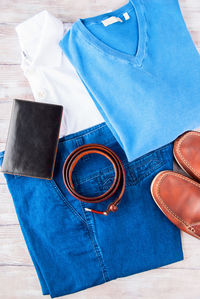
[[39, 39]]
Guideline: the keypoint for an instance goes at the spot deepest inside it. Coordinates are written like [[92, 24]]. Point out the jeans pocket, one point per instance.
[[144, 169], [101, 181], [95, 185], [54, 187]]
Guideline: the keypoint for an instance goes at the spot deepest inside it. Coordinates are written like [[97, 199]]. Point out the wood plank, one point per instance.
[[10, 48], [189, 4], [4, 124], [13, 84], [7, 211], [19, 283], [13, 247], [22, 283], [5, 109], [67, 10]]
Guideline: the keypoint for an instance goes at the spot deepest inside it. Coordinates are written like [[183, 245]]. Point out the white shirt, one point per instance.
[[51, 76]]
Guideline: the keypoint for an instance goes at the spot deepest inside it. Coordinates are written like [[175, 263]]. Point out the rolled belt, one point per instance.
[[118, 184]]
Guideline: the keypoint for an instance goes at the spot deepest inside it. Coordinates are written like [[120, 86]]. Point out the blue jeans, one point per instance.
[[73, 249]]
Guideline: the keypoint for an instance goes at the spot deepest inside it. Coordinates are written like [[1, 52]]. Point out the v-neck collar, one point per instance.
[[142, 35]]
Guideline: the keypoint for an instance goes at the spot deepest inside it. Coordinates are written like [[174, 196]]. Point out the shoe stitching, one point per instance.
[[157, 191], [179, 151], [195, 224]]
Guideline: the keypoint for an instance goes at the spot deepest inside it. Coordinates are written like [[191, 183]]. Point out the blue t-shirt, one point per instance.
[[142, 70]]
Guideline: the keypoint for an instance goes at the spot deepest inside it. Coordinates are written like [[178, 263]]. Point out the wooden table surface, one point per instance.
[[17, 275]]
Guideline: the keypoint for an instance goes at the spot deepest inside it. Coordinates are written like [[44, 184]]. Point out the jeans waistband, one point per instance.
[[96, 134], [101, 134]]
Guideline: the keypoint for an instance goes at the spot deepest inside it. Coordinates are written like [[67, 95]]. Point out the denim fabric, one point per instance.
[[142, 73], [73, 249]]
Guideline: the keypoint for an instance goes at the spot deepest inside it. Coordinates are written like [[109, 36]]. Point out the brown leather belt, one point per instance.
[[119, 181]]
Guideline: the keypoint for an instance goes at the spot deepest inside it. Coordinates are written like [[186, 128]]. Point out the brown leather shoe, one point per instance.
[[178, 197], [187, 153]]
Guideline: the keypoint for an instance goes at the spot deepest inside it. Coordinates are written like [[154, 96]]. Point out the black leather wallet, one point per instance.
[[32, 140]]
